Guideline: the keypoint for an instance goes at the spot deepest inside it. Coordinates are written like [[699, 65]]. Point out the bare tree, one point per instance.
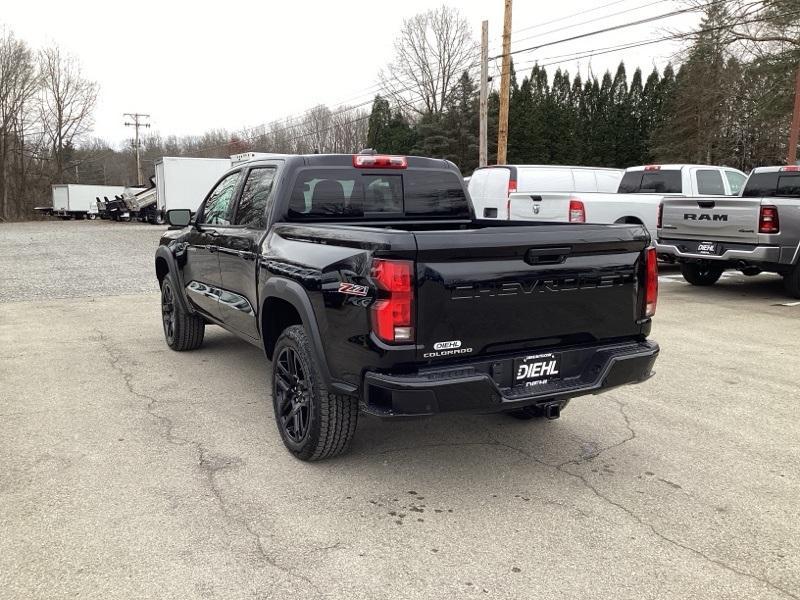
[[67, 102], [18, 84], [432, 51], [761, 26]]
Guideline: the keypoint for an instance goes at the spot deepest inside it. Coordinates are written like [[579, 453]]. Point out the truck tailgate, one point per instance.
[[716, 218], [499, 289], [550, 206]]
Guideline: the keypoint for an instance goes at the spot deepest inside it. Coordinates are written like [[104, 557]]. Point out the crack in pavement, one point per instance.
[[561, 468], [210, 468], [598, 452], [209, 464]]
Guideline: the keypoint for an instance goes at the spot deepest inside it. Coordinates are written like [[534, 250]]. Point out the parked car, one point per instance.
[[633, 198], [368, 282], [758, 232]]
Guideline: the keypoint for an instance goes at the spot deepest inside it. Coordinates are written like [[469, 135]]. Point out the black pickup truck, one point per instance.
[[370, 285]]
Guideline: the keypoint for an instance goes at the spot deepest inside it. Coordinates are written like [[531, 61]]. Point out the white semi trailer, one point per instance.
[[78, 201], [183, 182]]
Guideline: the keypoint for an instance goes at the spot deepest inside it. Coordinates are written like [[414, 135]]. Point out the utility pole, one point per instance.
[[483, 153], [794, 132], [505, 84], [136, 122]]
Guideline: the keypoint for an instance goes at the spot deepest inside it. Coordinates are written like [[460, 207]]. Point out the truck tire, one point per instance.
[[791, 281], [701, 273], [314, 423], [534, 411], [182, 331]]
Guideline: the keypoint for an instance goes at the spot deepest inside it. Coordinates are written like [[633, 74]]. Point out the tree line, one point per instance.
[[46, 107], [727, 101]]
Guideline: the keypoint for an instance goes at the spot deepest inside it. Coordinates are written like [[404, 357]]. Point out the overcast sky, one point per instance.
[[200, 65]]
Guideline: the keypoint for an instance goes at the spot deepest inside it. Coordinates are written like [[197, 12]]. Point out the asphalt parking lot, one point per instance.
[[131, 471]]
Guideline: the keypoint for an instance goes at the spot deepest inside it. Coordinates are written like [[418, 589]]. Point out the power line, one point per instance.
[[609, 49], [299, 120], [613, 28], [578, 14], [572, 26]]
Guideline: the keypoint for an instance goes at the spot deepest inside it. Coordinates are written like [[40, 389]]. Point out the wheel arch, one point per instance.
[[629, 220], [293, 307], [165, 264]]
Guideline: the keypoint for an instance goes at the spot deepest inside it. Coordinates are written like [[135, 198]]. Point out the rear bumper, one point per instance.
[[731, 252], [481, 386]]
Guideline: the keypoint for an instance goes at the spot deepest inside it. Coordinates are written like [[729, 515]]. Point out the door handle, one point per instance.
[[246, 255], [547, 256]]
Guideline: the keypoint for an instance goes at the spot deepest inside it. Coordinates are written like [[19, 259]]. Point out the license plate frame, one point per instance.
[[536, 369], [707, 248]]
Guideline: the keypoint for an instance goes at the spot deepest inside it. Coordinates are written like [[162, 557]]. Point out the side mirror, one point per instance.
[[179, 217]]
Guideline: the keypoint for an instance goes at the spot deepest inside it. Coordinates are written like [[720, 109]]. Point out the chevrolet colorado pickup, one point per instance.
[[759, 231], [370, 286]]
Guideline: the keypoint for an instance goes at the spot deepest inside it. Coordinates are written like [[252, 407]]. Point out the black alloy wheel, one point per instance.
[[168, 312], [293, 392]]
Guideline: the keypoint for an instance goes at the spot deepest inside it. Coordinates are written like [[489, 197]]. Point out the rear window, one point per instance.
[[709, 182], [775, 184], [657, 182], [355, 194]]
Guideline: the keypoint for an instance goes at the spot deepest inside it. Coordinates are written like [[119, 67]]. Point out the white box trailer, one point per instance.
[[183, 182], [75, 200]]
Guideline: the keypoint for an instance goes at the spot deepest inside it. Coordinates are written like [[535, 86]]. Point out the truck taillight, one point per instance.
[[392, 314], [379, 161], [651, 282], [577, 212], [652, 168], [768, 221], [791, 168], [512, 186], [660, 218]]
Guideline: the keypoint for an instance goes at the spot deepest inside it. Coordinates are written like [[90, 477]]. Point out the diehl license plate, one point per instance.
[[537, 369], [707, 248]]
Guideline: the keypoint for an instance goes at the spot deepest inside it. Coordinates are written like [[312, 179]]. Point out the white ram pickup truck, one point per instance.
[[519, 192]]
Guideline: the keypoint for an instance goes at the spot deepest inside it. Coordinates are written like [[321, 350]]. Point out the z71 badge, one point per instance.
[[353, 290]]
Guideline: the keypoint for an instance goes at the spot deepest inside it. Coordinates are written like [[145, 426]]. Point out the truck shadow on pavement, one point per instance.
[[494, 436]]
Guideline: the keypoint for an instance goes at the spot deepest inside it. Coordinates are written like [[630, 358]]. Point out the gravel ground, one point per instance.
[[131, 471], [74, 259]]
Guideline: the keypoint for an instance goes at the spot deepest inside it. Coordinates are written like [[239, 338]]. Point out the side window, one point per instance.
[[710, 182], [736, 181], [217, 209], [255, 197]]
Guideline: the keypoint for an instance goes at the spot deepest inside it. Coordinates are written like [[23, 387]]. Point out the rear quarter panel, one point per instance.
[[320, 259]]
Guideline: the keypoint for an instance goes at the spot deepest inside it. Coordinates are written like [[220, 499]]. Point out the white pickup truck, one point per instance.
[[513, 192]]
